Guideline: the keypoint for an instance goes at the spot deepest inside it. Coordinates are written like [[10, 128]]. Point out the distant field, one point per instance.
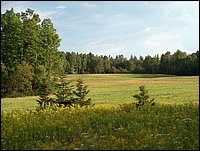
[[114, 89]]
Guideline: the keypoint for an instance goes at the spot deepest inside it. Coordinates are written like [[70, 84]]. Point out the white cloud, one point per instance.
[[113, 27], [88, 5], [163, 41], [108, 49], [95, 43], [119, 15], [22, 6], [151, 43], [60, 7], [179, 11], [155, 29], [98, 15], [121, 22], [145, 36], [147, 29], [105, 45], [18, 6], [46, 14]]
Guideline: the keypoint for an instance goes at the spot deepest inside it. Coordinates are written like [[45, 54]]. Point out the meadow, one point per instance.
[[113, 89], [113, 122]]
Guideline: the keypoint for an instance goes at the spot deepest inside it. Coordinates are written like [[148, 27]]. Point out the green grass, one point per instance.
[[112, 89], [114, 122], [20, 103]]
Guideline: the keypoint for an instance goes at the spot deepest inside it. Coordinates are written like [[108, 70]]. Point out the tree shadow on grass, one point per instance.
[[153, 75]]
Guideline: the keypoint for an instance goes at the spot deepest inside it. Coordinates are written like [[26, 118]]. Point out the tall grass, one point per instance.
[[100, 127]]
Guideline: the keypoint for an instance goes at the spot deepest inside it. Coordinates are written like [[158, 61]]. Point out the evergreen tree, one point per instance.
[[64, 92], [44, 90], [81, 92], [143, 97]]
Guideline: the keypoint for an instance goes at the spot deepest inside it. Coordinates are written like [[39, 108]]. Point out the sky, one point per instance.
[[120, 27]]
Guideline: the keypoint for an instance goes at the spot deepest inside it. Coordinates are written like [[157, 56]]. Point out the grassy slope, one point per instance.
[[113, 89]]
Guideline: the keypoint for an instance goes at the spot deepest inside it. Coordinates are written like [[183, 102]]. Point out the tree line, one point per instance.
[[29, 54], [178, 63]]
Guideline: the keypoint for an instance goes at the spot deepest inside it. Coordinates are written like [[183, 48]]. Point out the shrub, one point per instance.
[[4, 80], [127, 107], [39, 75], [81, 92], [21, 81], [45, 88], [64, 92], [143, 97]]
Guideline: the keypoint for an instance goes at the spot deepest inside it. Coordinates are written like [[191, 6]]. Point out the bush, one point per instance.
[[21, 80], [39, 75], [81, 92], [127, 107], [64, 93], [44, 90], [143, 97], [4, 80]]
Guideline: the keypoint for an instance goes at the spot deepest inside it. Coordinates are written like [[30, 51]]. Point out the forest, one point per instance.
[[29, 54]]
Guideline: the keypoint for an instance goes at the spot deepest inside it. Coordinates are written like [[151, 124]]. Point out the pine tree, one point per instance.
[[143, 97], [64, 93], [45, 89], [81, 92]]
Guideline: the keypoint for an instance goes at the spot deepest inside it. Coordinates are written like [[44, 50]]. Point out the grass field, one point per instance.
[[113, 89], [114, 122]]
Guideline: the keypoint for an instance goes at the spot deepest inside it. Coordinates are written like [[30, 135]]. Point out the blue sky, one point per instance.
[[120, 27]]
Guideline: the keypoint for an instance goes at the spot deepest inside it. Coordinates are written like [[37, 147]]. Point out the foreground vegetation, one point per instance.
[[123, 127]]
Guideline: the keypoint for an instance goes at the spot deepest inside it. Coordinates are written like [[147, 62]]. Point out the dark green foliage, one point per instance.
[[11, 42], [67, 96], [30, 37], [81, 92], [50, 42], [178, 63], [143, 97], [45, 89], [21, 80], [64, 92], [23, 38], [151, 65], [39, 77], [4, 79], [165, 63]]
